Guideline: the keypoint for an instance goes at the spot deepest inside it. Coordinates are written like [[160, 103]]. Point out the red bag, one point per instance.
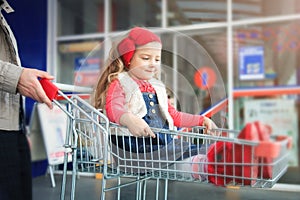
[[234, 162], [264, 135], [218, 154], [246, 166]]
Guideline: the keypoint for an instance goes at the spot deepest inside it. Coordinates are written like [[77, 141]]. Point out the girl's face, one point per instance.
[[145, 62]]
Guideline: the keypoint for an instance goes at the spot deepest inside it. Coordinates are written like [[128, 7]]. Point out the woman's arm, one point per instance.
[[9, 77]]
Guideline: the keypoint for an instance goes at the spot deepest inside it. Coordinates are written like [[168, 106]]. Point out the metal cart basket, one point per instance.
[[221, 158], [84, 137]]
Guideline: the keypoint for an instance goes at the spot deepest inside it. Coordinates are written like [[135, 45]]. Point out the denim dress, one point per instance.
[[161, 148]]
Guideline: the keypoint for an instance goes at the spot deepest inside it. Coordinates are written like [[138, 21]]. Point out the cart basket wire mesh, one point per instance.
[[252, 157]]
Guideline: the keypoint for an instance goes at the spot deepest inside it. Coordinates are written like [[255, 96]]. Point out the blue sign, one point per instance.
[[204, 78], [251, 63], [90, 63]]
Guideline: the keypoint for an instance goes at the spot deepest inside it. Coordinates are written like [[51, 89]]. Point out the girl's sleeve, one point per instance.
[[182, 119], [115, 101]]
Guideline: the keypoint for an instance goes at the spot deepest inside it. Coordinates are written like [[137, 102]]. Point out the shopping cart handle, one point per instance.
[[50, 89]]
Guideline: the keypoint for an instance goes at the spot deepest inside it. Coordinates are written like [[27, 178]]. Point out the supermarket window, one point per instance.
[[79, 17], [193, 68], [246, 9], [83, 17], [128, 13], [267, 54], [79, 62], [195, 12]]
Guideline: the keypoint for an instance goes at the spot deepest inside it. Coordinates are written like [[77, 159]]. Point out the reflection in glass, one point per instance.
[[196, 12], [73, 68], [280, 44], [79, 17], [83, 17], [246, 9]]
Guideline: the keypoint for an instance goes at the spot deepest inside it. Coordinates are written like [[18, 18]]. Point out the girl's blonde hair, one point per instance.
[[113, 67]]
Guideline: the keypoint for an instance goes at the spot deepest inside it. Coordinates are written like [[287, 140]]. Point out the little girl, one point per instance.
[[131, 95]]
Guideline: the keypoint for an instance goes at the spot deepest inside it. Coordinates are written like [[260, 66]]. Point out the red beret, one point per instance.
[[136, 37]]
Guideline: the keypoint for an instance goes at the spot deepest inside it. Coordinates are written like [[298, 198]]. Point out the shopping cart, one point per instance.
[[231, 158], [84, 138], [231, 161]]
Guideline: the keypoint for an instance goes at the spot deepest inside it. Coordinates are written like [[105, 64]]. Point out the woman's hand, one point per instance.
[[29, 85], [209, 125], [137, 126]]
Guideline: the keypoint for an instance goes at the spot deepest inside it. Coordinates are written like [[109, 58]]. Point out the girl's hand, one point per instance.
[[137, 126], [209, 124]]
